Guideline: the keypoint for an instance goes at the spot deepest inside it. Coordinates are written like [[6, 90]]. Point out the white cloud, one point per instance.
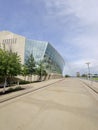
[[86, 41], [57, 8], [86, 10], [87, 44]]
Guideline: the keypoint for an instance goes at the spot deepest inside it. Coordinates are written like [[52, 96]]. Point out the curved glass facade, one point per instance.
[[36, 48], [53, 62]]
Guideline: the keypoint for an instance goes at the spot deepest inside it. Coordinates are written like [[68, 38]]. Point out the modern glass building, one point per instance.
[[53, 61], [41, 51]]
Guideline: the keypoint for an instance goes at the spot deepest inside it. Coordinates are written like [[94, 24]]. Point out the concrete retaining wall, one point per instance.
[[32, 78]]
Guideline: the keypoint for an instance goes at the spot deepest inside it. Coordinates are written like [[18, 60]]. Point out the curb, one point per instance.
[[87, 84]]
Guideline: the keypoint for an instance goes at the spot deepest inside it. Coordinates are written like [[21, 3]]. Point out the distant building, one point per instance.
[[39, 49], [78, 74]]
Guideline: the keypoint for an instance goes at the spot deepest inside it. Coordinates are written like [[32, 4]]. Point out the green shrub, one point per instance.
[[24, 82], [14, 89], [10, 90], [66, 76]]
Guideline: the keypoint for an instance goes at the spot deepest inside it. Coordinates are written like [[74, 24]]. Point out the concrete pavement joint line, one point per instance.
[[24, 93]]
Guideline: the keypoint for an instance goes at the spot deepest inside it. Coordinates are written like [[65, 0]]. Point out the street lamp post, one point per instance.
[[88, 63]]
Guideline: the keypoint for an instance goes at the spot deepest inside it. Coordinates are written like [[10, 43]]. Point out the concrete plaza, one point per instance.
[[65, 105]]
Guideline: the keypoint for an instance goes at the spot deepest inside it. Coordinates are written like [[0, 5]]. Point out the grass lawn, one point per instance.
[[95, 79]]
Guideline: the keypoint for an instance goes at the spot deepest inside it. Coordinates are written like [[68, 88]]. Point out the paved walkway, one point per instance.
[[27, 88], [92, 84], [65, 105]]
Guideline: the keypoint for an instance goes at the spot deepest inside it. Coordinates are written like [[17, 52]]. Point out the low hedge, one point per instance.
[[10, 90]]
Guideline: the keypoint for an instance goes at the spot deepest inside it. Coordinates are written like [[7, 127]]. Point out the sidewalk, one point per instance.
[[92, 84], [27, 89]]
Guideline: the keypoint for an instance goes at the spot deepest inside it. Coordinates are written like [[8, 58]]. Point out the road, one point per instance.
[[65, 105]]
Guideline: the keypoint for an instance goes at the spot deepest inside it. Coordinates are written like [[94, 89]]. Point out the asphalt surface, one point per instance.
[[65, 105]]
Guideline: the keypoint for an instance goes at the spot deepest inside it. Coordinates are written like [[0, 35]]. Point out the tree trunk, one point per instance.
[[5, 83], [18, 83]]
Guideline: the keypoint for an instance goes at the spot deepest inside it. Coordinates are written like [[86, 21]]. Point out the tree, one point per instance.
[[84, 75], [67, 76], [40, 70], [24, 71], [10, 65], [30, 63]]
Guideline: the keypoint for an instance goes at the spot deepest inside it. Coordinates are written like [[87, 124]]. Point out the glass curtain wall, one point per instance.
[[36, 48], [54, 61], [43, 51]]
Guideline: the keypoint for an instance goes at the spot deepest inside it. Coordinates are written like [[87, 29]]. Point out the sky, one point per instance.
[[71, 26]]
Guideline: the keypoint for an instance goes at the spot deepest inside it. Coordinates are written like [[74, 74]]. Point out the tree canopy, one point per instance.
[[30, 63], [40, 70], [10, 64]]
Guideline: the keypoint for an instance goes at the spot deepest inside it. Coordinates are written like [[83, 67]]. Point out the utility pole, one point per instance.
[[88, 63]]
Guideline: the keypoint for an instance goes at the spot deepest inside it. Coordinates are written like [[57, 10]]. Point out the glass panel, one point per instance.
[[37, 48], [55, 61], [40, 50]]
